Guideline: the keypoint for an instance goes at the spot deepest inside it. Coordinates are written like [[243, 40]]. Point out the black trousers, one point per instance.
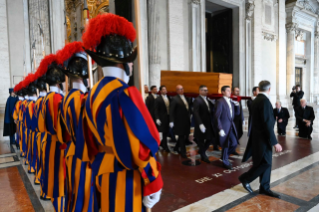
[[164, 141], [180, 144], [261, 170], [203, 145], [305, 131], [281, 130], [12, 140]]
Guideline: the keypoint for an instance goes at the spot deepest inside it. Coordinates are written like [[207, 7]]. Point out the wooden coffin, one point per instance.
[[192, 80]]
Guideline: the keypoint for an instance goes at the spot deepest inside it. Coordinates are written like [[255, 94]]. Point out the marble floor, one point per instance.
[[202, 188]]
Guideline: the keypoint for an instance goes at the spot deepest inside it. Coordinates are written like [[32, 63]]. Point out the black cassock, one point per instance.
[[261, 140], [150, 104], [284, 115], [9, 127], [308, 114]]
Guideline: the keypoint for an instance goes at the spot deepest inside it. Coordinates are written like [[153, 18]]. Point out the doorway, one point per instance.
[[298, 76]]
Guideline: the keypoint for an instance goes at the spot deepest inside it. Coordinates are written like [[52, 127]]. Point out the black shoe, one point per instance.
[[296, 127], [235, 153], [309, 137], [284, 134], [45, 199], [245, 184], [183, 155], [269, 193], [230, 167], [216, 148], [205, 159]]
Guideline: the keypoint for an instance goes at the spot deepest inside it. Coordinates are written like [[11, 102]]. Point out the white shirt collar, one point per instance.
[[42, 93], [264, 93], [253, 97], [21, 98], [204, 97], [33, 98], [112, 71], [55, 89], [79, 86], [226, 98], [26, 97], [164, 95]]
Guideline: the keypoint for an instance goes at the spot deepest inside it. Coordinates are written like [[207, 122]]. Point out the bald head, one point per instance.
[[179, 89], [278, 104], [303, 102]]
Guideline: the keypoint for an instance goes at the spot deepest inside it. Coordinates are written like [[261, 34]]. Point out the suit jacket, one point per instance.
[[249, 102], [284, 115], [238, 120], [261, 136], [161, 113], [202, 116], [296, 98], [307, 113], [224, 120], [150, 104], [180, 115]]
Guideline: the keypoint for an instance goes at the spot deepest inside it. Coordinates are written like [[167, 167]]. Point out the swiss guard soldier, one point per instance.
[[9, 127], [52, 178], [39, 131], [18, 91], [121, 137], [78, 174], [22, 116]]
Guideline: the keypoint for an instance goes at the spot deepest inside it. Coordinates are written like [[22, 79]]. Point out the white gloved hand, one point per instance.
[[202, 128], [235, 102], [171, 125], [222, 133], [158, 122], [150, 200]]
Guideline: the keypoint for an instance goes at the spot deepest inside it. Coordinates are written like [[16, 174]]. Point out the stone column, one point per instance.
[[257, 44], [154, 42], [281, 55], [203, 35], [249, 14], [56, 11], [291, 28], [27, 47], [316, 66], [195, 34]]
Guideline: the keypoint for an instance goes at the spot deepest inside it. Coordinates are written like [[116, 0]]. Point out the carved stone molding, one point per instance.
[[250, 6], [306, 5], [195, 1], [291, 27], [269, 36], [299, 35], [317, 35]]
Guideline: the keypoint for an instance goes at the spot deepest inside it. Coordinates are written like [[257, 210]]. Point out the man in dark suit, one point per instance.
[[162, 104], [239, 119], [203, 122], [305, 116], [281, 114], [150, 101], [226, 110], [297, 95], [180, 111], [261, 140], [250, 101]]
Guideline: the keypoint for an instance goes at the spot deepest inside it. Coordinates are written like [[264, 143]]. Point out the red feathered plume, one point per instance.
[[107, 24], [44, 64], [29, 79], [69, 50], [17, 87]]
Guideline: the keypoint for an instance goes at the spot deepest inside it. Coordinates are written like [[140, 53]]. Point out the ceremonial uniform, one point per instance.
[[16, 119]]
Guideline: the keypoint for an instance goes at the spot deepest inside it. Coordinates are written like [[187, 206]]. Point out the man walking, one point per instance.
[[261, 140], [226, 110]]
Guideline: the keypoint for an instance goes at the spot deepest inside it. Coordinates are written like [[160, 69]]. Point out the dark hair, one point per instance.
[[255, 89], [297, 86], [162, 86], [224, 88], [235, 87], [202, 86], [153, 86], [264, 85]]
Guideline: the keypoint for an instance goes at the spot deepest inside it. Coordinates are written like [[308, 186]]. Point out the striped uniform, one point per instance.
[[15, 116], [30, 135], [78, 174], [121, 143], [22, 128], [52, 178]]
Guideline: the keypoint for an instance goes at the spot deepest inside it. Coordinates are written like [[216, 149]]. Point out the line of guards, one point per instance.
[[95, 150]]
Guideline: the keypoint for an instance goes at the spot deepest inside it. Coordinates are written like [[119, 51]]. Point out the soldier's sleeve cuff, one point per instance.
[[154, 186]]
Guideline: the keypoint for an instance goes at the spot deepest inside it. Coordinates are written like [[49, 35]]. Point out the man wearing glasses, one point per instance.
[[203, 122]]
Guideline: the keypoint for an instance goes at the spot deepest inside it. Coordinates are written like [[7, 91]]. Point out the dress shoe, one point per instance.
[[245, 184], [269, 193], [284, 134], [183, 155], [235, 153], [205, 159], [296, 127], [309, 137], [230, 167]]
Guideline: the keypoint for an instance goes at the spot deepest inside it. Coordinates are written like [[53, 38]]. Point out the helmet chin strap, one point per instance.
[[111, 71]]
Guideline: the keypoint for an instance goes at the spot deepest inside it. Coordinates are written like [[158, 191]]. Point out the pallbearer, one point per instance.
[[78, 174], [52, 179], [120, 134], [38, 128]]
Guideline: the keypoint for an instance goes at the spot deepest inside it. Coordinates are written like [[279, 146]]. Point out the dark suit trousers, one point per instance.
[[12, 141], [164, 141], [181, 144], [261, 170], [281, 129], [203, 146], [305, 131], [232, 144]]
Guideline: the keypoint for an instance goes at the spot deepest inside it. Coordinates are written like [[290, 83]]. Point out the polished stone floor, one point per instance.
[[202, 188]]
